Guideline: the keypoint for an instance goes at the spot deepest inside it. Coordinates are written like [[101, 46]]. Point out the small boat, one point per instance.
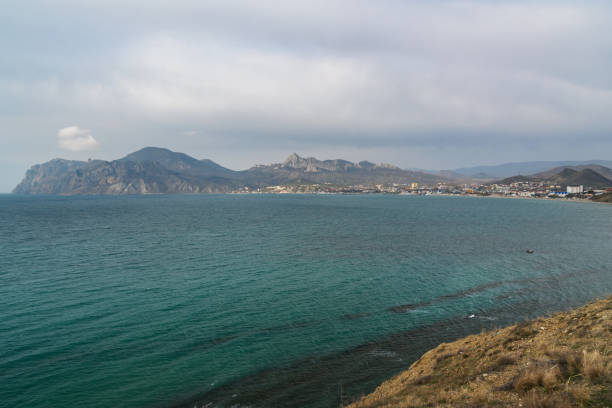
[[530, 251]]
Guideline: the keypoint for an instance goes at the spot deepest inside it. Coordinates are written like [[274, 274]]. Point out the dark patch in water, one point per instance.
[[288, 326], [510, 295], [224, 339], [554, 280], [408, 306], [452, 296], [470, 291], [355, 316]]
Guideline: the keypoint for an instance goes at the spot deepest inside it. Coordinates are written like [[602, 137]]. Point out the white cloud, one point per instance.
[[75, 139]]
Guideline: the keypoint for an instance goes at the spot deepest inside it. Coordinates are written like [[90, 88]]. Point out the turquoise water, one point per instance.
[[271, 300]]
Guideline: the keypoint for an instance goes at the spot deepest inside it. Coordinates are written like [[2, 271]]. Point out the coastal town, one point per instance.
[[518, 189]]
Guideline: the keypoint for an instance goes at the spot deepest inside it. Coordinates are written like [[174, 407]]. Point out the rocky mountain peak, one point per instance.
[[294, 161]]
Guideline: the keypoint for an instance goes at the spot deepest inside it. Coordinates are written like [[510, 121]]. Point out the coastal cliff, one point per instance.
[[117, 177], [561, 361]]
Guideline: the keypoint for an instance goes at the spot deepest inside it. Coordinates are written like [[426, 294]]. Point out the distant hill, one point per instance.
[[566, 176], [523, 168], [158, 170], [602, 170], [585, 177], [518, 179]]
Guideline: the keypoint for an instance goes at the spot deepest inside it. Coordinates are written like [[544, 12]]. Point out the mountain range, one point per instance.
[[501, 171], [158, 170]]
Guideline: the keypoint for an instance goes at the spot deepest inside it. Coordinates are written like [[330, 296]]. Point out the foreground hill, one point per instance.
[[561, 361], [156, 170], [568, 176]]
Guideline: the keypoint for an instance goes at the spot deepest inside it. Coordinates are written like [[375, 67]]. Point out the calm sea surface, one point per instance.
[[292, 300]]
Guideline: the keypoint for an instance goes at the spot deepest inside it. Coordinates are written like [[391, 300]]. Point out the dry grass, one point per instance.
[[593, 365], [561, 361], [532, 377], [581, 393], [540, 400]]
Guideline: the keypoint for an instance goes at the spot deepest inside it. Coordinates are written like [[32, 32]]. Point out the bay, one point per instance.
[[269, 300]]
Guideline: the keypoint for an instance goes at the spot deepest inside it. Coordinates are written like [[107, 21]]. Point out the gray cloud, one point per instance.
[[232, 79]]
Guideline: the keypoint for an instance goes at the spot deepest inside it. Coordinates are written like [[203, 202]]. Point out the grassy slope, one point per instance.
[[561, 361]]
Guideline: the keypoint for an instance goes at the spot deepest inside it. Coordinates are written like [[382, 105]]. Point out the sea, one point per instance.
[[270, 300]]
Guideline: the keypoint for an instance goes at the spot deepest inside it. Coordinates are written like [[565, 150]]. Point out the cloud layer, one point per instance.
[[431, 83], [75, 139]]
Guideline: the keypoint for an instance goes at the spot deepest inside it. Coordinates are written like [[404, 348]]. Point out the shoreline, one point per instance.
[[569, 200]]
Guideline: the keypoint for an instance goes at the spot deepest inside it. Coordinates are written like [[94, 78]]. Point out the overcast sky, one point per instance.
[[429, 84]]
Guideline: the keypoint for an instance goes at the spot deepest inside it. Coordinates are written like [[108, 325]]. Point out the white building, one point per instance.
[[575, 189]]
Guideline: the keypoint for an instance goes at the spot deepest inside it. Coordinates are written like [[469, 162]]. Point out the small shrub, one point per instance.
[[569, 361], [593, 366], [531, 377], [501, 362], [551, 378], [524, 330], [580, 392], [574, 363], [505, 360], [538, 376]]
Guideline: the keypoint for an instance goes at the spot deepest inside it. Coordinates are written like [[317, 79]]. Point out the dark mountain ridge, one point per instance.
[[178, 162]]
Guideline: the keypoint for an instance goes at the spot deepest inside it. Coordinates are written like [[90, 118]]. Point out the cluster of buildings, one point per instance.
[[518, 189], [328, 188], [539, 190]]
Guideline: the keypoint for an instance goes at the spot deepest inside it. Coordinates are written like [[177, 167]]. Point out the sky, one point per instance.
[[421, 84]]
